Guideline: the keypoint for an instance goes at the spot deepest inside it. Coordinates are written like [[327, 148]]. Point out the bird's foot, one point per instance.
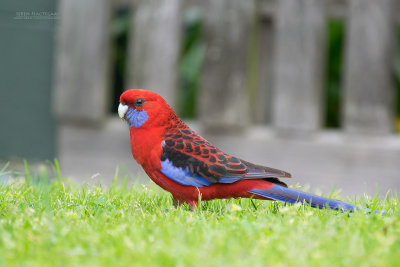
[[177, 203]]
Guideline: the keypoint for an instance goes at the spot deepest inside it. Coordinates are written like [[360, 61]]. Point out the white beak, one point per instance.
[[122, 109]]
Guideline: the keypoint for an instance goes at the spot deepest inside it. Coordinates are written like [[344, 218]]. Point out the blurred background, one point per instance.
[[308, 86]]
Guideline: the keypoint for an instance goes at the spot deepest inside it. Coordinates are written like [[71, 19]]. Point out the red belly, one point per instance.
[[190, 194]]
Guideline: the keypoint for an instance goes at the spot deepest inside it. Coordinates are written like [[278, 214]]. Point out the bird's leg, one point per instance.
[[193, 204], [176, 202]]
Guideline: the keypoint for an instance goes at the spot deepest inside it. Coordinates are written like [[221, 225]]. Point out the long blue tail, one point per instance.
[[284, 194]]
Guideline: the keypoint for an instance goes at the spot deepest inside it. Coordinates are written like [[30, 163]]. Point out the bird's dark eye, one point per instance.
[[138, 102]]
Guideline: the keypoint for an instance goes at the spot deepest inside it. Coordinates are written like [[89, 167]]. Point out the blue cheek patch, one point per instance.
[[136, 118], [182, 176]]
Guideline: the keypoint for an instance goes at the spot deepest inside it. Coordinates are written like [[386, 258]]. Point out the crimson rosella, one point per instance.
[[188, 166]]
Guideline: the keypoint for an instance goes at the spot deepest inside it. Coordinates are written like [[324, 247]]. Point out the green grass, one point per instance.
[[54, 223]]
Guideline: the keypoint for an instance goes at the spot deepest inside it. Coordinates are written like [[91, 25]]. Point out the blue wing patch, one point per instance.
[[182, 176], [229, 180]]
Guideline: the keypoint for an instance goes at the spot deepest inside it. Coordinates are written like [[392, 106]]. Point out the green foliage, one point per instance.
[[119, 33], [335, 30], [52, 224], [192, 55]]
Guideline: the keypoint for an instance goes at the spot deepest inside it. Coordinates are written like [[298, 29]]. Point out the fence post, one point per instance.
[[223, 96], [154, 47], [82, 75], [298, 75], [369, 90]]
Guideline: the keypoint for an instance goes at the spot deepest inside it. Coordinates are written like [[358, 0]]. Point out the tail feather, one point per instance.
[[280, 193]]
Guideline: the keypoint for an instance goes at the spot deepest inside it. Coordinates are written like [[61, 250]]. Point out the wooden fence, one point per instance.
[[283, 83]]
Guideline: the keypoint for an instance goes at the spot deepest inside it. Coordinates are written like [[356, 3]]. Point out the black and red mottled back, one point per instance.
[[188, 150]]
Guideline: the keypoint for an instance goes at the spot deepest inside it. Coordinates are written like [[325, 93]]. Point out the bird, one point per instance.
[[185, 164]]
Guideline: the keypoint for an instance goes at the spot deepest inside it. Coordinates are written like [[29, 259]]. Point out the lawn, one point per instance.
[[46, 223]]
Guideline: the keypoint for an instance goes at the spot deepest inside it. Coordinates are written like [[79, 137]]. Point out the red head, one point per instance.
[[142, 108]]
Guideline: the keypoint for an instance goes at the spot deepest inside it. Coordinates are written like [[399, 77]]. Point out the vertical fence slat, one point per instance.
[[82, 78], [299, 48], [154, 47], [369, 91], [223, 96]]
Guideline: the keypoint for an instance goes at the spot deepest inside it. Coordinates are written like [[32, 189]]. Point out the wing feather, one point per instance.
[[189, 159]]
